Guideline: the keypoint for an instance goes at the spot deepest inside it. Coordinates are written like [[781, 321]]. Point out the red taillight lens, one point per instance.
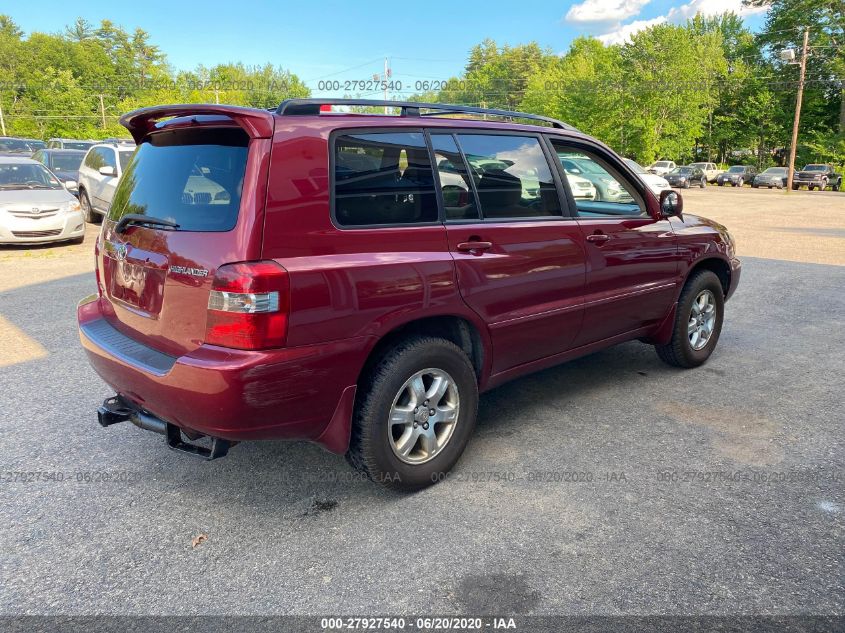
[[248, 306]]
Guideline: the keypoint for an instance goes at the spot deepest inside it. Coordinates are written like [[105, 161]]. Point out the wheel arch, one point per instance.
[[457, 329], [717, 265]]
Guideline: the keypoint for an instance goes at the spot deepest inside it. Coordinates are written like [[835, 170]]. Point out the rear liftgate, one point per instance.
[[116, 409]]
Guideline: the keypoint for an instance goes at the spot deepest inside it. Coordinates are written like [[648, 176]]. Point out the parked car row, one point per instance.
[[813, 176]]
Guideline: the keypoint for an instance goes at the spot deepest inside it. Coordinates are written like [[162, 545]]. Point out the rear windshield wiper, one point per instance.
[[137, 218]]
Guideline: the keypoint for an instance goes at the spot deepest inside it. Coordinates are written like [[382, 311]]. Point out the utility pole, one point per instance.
[[102, 111], [216, 96], [797, 118], [2, 121], [384, 77]]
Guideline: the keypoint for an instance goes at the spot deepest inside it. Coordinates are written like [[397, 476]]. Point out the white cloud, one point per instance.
[[711, 7], [614, 11], [623, 32], [619, 33]]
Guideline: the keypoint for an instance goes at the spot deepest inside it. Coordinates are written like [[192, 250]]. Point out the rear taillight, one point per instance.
[[248, 306]]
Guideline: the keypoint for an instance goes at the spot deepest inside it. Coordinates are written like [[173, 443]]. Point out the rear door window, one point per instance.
[[455, 183], [511, 175], [191, 177], [383, 178]]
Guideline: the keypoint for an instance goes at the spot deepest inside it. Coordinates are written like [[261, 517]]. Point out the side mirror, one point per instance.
[[108, 170], [70, 185], [671, 204]]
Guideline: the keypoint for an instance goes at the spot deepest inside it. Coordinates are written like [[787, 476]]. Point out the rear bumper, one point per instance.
[[290, 393]]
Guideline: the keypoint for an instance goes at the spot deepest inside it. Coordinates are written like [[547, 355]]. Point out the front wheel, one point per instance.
[[87, 210], [698, 322], [703, 182], [414, 414]]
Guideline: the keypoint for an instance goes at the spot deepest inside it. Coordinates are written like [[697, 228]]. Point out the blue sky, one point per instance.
[[332, 40]]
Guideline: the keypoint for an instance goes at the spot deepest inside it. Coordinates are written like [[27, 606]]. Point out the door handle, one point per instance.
[[598, 238], [474, 245]]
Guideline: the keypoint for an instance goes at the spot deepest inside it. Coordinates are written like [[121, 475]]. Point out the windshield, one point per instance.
[[67, 162], [736, 169], [815, 168], [662, 163], [191, 177], [588, 166], [13, 145], [76, 144], [635, 166], [36, 145], [27, 176], [775, 171], [682, 170]]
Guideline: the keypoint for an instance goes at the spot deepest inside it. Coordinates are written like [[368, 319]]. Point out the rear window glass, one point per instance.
[[76, 145], [383, 178], [191, 177], [67, 162]]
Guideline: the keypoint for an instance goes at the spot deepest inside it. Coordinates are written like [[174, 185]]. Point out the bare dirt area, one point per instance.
[[799, 226]]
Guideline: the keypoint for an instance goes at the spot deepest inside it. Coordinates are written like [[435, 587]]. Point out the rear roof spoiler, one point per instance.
[[257, 123]]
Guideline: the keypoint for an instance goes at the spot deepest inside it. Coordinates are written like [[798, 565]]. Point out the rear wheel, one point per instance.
[[698, 322], [414, 414], [835, 186], [87, 210]]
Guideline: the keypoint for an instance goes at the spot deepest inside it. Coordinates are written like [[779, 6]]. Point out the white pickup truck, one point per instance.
[[711, 170]]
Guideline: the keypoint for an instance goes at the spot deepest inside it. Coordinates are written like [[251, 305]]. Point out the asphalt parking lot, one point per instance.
[[609, 485]]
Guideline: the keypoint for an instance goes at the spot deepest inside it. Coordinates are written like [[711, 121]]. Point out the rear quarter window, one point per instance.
[[383, 178], [191, 177]]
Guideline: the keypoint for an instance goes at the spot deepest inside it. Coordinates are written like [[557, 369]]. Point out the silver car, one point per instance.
[[34, 205]]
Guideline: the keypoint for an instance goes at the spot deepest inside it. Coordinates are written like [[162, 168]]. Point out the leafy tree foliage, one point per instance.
[[77, 83]]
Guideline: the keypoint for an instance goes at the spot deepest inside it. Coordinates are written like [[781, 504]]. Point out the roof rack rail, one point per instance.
[[300, 107]]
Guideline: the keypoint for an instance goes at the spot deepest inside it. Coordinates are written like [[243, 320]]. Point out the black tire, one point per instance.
[[836, 186], [753, 186], [370, 450], [795, 187], [88, 212], [703, 182], [679, 351], [687, 184], [721, 183]]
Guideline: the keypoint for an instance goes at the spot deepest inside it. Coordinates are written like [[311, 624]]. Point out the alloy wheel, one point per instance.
[[702, 319], [423, 416]]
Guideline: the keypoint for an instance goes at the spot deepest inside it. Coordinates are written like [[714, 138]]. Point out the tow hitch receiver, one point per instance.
[[116, 409]]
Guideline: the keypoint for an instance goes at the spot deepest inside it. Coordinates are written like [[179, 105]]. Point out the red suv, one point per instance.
[[356, 280]]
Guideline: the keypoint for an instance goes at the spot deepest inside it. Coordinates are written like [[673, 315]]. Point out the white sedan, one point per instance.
[[654, 182], [34, 205]]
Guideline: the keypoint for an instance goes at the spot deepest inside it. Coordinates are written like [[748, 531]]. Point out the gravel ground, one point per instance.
[[609, 485]]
